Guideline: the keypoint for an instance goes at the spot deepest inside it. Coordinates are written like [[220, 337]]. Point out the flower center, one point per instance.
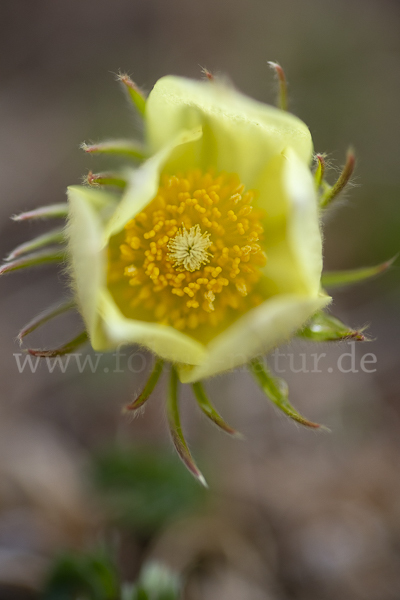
[[191, 258], [188, 249]]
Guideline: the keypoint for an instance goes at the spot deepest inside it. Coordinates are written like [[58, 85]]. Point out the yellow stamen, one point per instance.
[[189, 259]]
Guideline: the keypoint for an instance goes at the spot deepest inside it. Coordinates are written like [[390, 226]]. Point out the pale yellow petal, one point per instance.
[[242, 135], [292, 231], [144, 182], [256, 333], [165, 341], [304, 235], [87, 258]]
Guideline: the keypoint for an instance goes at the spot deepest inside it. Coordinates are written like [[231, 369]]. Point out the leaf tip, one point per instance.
[[387, 264], [325, 429], [202, 480], [280, 73], [85, 147], [207, 74]]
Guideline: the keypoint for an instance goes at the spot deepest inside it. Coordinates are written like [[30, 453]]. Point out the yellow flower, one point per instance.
[[213, 254], [210, 253]]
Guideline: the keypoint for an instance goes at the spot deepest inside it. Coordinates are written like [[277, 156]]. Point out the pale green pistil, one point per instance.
[[188, 249]]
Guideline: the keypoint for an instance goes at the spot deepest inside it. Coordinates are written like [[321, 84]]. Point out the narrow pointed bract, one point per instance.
[[67, 348], [117, 147], [148, 388], [208, 409], [335, 279], [138, 99], [282, 95], [32, 260], [45, 316], [55, 236], [175, 428], [319, 171], [113, 179], [53, 211], [325, 328], [277, 391], [207, 74], [331, 192]]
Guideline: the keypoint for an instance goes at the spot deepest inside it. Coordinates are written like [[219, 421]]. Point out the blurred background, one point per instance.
[[290, 514]]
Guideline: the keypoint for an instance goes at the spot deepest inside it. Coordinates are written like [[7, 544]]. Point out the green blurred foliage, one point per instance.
[[144, 490], [87, 577], [94, 577], [156, 582]]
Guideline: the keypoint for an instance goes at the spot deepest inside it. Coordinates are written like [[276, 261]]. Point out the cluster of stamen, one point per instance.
[[192, 256]]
